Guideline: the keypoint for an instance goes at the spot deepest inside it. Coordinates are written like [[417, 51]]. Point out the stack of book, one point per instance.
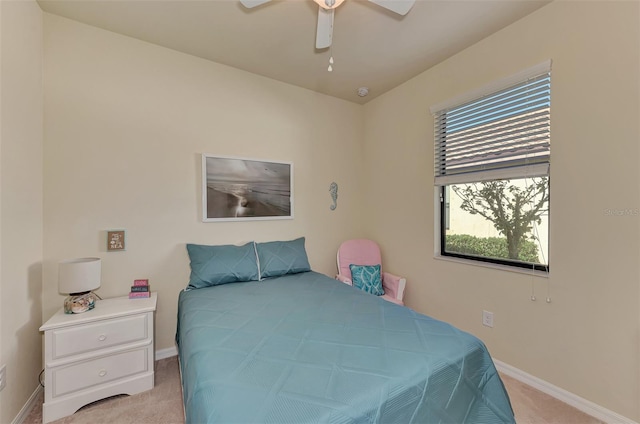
[[140, 289]]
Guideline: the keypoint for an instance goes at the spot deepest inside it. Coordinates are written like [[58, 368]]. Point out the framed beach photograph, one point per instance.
[[240, 189]]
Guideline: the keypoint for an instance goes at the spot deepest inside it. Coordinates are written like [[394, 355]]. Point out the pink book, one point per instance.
[[144, 282], [139, 295]]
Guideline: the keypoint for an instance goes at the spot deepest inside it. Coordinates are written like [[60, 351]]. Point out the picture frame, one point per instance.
[[116, 240], [244, 189]]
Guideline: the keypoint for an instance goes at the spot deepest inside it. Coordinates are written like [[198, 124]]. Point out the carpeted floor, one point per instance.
[[163, 404], [531, 406]]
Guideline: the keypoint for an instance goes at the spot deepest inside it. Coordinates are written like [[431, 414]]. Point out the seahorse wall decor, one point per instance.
[[333, 189]]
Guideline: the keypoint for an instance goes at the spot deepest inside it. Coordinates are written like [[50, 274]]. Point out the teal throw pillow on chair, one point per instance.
[[367, 278]]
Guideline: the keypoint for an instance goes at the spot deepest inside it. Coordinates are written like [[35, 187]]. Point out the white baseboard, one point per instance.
[[166, 353], [26, 409], [584, 405]]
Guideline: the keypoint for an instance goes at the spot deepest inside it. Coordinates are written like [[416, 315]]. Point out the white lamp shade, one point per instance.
[[79, 275]]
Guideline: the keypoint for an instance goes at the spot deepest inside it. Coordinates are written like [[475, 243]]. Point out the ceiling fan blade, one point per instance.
[[253, 3], [324, 33], [401, 7]]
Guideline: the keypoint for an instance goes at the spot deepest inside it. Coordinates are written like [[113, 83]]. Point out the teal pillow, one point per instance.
[[367, 278], [215, 265], [276, 258]]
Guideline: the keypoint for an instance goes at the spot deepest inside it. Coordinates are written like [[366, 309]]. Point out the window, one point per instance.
[[492, 156]]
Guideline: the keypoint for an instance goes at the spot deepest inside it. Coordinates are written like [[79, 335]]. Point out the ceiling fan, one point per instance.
[[324, 32]]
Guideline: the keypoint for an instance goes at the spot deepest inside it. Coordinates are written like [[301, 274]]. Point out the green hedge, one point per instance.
[[492, 247]]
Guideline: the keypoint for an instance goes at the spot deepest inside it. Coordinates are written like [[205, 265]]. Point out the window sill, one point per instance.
[[517, 270]]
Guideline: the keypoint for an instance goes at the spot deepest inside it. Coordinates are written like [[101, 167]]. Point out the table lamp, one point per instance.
[[78, 277]]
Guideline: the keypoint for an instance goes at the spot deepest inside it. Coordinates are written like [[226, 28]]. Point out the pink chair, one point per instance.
[[367, 252]]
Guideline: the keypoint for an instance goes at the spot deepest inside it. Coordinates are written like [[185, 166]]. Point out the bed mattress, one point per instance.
[[306, 348]]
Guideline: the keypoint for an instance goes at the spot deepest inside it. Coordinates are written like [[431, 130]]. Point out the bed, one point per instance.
[[302, 347]]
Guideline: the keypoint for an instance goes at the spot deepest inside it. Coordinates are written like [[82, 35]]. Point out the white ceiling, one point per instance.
[[372, 47]]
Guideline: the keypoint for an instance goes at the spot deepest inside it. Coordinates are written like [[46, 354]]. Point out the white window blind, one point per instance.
[[500, 135]]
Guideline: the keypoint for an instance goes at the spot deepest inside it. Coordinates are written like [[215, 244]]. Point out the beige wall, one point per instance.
[[2, 408], [587, 339], [20, 202], [125, 124]]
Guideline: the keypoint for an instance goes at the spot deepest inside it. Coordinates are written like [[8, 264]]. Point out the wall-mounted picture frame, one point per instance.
[[115, 240], [243, 189]]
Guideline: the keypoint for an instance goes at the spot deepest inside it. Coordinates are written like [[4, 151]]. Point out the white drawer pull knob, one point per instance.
[[102, 373], [102, 337]]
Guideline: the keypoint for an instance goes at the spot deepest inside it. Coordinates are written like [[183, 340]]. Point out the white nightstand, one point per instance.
[[100, 353]]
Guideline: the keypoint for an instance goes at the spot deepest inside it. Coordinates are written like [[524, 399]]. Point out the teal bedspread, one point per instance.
[[306, 348]]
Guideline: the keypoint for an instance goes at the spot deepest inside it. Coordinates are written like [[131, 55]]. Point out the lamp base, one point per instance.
[[78, 303]]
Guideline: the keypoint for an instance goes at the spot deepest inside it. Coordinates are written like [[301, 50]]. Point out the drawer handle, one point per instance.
[[102, 337], [102, 373]]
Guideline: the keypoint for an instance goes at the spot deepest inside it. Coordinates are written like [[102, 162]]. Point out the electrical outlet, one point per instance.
[[487, 319], [3, 377]]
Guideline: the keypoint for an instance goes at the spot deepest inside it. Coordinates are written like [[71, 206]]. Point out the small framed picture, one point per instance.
[[115, 240]]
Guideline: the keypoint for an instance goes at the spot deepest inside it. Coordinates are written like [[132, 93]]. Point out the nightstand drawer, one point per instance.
[[98, 335], [98, 371]]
